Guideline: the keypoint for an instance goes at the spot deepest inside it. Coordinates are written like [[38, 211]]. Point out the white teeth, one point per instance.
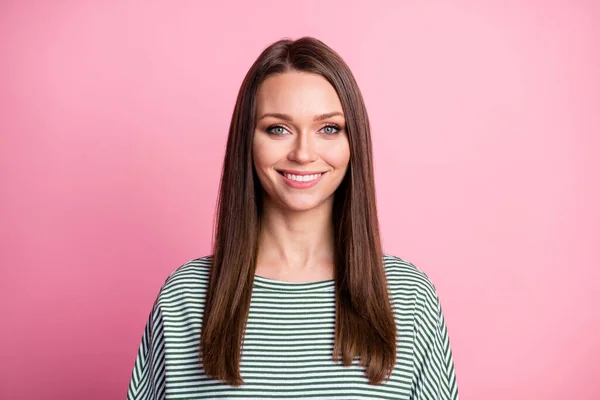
[[302, 178]]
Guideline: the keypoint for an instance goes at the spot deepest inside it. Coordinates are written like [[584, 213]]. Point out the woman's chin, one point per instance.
[[301, 205]]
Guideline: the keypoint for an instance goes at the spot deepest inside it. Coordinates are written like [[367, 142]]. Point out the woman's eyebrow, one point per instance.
[[328, 115], [287, 117]]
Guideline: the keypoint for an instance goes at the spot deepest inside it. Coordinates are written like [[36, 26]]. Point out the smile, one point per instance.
[[301, 180]]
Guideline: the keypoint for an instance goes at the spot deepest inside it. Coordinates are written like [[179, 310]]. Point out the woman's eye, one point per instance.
[[330, 129], [277, 130]]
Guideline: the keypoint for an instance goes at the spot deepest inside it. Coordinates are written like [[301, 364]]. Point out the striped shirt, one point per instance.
[[288, 344]]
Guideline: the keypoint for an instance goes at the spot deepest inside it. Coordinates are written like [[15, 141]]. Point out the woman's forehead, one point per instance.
[[297, 93]]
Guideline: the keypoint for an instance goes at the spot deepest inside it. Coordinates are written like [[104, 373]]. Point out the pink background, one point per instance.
[[485, 118]]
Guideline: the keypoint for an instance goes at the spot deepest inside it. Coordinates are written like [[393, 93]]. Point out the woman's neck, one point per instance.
[[296, 246]]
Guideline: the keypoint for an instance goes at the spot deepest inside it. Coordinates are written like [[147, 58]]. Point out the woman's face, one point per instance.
[[300, 147]]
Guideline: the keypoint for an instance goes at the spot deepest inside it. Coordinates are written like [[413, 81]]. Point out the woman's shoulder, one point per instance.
[[191, 276], [404, 277]]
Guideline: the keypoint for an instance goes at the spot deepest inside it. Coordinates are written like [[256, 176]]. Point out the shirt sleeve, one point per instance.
[[148, 377], [434, 375]]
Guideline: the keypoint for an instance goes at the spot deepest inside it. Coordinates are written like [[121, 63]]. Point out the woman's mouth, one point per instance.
[[301, 180]]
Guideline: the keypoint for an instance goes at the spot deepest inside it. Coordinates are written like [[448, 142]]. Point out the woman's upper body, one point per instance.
[[288, 343], [297, 299]]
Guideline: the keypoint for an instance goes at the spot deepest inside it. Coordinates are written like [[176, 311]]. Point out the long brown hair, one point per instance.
[[364, 326]]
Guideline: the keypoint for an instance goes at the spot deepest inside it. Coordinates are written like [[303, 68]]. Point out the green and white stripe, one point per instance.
[[287, 351]]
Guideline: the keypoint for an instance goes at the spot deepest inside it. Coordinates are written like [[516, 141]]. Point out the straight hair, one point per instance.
[[364, 321]]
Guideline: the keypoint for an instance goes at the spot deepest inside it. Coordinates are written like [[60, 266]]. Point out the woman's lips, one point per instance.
[[301, 180]]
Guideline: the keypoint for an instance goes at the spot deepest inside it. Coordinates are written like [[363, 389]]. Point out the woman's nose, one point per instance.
[[304, 149]]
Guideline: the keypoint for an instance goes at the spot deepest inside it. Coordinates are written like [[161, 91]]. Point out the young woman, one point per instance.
[[298, 299]]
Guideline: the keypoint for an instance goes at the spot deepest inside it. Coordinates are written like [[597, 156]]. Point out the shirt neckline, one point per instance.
[[268, 283]]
